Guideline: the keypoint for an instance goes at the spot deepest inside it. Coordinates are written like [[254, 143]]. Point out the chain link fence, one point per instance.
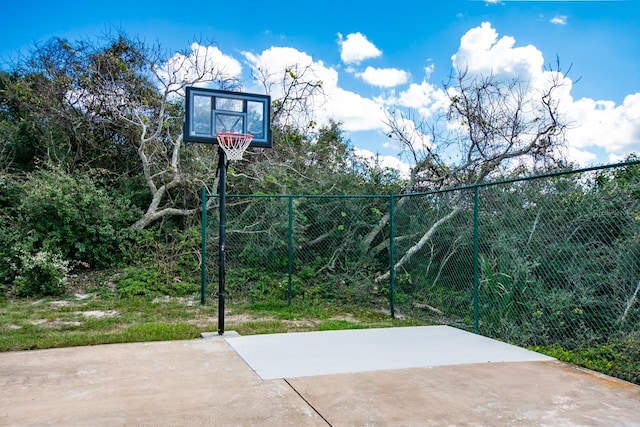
[[550, 262]]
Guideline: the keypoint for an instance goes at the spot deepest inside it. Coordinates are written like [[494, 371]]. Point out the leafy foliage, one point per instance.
[[43, 274], [618, 357], [147, 282], [71, 216], [139, 282]]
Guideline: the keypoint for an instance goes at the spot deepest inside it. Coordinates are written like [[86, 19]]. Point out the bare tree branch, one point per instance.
[[415, 248]]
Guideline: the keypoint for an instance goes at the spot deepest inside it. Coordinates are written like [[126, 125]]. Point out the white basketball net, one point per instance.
[[234, 144]]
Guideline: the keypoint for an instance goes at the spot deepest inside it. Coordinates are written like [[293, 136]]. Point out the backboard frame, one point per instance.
[[212, 111]]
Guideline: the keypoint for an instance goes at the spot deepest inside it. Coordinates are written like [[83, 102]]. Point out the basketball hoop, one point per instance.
[[234, 144]]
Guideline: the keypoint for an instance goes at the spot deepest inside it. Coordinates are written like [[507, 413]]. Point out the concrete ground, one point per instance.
[[208, 382], [349, 351]]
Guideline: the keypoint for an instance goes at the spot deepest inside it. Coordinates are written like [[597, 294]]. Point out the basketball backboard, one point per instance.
[[212, 111]]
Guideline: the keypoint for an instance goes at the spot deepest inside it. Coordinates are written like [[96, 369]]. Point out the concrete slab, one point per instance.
[[181, 383], [205, 382], [348, 351], [532, 394]]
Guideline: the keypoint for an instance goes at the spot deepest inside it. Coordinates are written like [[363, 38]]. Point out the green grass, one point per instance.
[[619, 357], [27, 324], [261, 327]]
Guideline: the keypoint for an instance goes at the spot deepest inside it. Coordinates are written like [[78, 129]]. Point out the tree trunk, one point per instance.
[[415, 248], [150, 217]]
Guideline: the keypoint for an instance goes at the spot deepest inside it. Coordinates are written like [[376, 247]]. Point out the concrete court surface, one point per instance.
[[207, 382], [348, 351]]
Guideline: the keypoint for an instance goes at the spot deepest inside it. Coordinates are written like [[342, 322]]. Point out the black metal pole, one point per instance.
[[222, 191], [203, 237]]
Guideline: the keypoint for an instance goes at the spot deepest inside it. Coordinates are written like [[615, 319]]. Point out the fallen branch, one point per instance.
[[415, 248], [630, 303], [428, 307]]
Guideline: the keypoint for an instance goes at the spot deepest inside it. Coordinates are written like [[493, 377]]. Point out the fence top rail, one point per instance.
[[526, 178], [444, 190], [307, 196]]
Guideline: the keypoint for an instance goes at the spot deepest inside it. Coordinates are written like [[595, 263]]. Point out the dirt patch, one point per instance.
[[61, 303], [292, 325], [67, 302], [348, 317], [98, 314], [82, 280], [302, 324], [243, 318], [188, 301], [55, 323]]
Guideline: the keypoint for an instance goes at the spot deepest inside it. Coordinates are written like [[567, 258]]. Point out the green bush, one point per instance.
[[139, 282], [9, 235], [184, 289], [10, 232], [42, 274], [150, 282], [71, 216], [268, 287], [174, 249]]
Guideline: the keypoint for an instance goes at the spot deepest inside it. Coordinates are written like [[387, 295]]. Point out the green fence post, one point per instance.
[[290, 254], [392, 269], [476, 250], [203, 266]]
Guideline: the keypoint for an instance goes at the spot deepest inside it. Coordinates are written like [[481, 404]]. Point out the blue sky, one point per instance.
[[410, 46]]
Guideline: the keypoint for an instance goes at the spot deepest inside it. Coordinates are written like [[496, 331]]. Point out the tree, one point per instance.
[[493, 128], [45, 98], [117, 107], [140, 87]]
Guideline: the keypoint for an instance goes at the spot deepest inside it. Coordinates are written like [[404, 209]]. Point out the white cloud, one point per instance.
[[357, 113], [384, 77], [429, 69], [426, 98], [559, 20], [578, 156], [392, 162], [273, 62], [603, 124], [596, 125], [203, 63], [423, 102], [356, 48], [481, 52]]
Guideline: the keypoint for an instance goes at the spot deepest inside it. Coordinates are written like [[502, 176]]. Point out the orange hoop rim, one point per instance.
[[234, 144], [234, 134]]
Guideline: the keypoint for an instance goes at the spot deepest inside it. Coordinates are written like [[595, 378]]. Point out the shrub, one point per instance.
[[173, 250], [43, 274], [73, 217], [10, 232], [139, 282]]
